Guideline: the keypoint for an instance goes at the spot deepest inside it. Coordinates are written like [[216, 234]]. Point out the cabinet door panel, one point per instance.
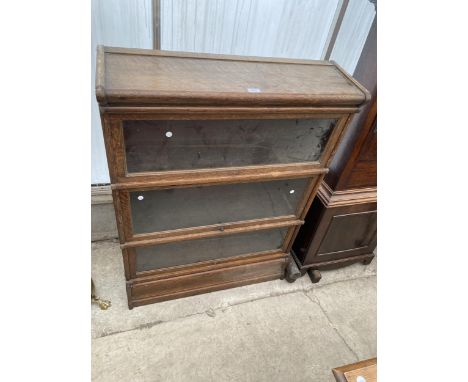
[[184, 145], [194, 251], [349, 232], [168, 209]]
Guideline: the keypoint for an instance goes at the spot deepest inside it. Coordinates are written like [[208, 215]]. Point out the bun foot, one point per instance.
[[314, 275], [292, 272]]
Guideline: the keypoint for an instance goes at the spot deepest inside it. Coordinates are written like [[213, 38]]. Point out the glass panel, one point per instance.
[[183, 145], [194, 251], [160, 210]]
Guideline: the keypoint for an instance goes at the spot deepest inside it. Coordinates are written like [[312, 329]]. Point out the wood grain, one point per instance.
[[332, 198], [142, 85], [226, 175], [349, 373], [168, 78], [208, 231], [235, 272]]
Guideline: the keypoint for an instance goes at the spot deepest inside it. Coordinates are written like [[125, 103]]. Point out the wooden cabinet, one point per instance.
[[214, 162], [341, 226]]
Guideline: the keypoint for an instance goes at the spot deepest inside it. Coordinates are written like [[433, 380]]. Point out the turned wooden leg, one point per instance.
[[314, 275], [292, 272]]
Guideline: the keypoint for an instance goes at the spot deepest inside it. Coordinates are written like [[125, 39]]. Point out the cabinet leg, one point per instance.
[[367, 261], [314, 275], [292, 272]]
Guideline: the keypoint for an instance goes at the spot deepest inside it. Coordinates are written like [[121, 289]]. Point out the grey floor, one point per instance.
[[273, 331]]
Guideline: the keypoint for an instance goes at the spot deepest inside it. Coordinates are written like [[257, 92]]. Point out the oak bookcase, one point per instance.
[[214, 161]]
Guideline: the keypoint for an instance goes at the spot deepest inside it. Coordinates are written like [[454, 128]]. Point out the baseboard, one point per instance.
[[103, 225], [101, 194]]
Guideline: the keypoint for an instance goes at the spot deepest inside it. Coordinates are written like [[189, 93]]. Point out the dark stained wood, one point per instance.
[[341, 225], [335, 263], [315, 275], [337, 232], [353, 196], [292, 272], [366, 74], [361, 168], [200, 250]]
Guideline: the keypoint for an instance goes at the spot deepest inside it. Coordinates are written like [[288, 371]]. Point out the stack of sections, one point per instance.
[[214, 161]]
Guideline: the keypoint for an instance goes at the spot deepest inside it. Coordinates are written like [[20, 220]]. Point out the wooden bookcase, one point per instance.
[[214, 161]]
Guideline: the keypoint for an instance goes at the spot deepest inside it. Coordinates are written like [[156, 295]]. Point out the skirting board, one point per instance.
[[103, 226]]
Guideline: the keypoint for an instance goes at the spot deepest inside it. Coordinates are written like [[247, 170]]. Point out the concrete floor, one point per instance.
[[273, 331]]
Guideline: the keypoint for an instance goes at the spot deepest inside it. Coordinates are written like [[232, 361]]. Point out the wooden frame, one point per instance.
[[107, 95], [349, 373], [327, 207], [166, 236], [121, 179], [206, 277], [119, 104]]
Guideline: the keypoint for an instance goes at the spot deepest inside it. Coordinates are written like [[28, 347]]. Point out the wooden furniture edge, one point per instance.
[[278, 259], [313, 192], [367, 94], [202, 232], [339, 372], [227, 112], [213, 227], [317, 265], [129, 97], [207, 266], [134, 302], [349, 197], [172, 179], [117, 97]]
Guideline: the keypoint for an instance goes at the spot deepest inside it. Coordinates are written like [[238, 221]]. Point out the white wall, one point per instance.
[[351, 38], [271, 28], [125, 23]]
